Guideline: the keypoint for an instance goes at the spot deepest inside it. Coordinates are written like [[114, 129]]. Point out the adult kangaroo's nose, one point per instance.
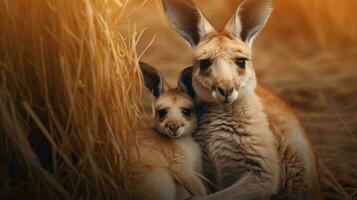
[[225, 91]]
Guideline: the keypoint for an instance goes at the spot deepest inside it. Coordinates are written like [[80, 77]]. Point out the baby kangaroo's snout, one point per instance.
[[173, 128]]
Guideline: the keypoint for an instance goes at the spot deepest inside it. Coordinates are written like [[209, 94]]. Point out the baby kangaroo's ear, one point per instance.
[[187, 20], [249, 19], [153, 79], [185, 81]]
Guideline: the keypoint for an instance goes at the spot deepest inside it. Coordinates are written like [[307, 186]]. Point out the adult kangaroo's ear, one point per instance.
[[249, 19], [187, 20], [153, 79], [185, 81]]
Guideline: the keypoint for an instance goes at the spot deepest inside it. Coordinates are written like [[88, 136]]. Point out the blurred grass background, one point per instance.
[[70, 96], [307, 53]]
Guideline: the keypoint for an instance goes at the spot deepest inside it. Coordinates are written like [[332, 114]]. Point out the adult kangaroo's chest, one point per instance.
[[235, 142]]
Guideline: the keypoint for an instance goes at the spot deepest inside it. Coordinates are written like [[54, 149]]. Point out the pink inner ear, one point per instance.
[[250, 18], [187, 20]]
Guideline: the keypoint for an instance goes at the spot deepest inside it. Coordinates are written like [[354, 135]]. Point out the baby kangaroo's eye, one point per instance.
[[187, 112], [241, 62], [162, 113], [205, 64]]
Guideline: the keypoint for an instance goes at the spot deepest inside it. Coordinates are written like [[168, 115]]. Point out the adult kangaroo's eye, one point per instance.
[[205, 64], [241, 62], [187, 112], [162, 113]]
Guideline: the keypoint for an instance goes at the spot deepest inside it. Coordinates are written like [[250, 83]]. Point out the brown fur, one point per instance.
[[166, 157], [253, 144], [281, 117], [157, 152]]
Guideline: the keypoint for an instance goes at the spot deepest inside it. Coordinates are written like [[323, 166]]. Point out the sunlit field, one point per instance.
[[71, 91]]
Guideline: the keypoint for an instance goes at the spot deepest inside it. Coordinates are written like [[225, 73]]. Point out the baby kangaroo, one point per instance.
[[167, 153], [253, 144]]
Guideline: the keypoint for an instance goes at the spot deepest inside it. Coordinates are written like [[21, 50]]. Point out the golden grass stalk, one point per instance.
[[70, 92]]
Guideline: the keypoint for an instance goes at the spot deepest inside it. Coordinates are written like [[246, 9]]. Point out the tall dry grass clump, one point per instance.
[[69, 97]]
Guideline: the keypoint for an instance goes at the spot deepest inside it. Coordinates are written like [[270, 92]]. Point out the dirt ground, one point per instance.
[[307, 54]]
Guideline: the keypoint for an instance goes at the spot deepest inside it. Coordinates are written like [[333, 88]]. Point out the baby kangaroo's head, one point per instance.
[[175, 114], [222, 71]]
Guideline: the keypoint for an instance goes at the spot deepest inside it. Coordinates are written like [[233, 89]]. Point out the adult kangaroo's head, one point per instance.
[[222, 70]]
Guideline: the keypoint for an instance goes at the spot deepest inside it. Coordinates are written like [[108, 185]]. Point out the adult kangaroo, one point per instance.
[[253, 144]]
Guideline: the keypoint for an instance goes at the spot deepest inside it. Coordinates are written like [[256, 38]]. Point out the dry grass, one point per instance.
[[69, 95]]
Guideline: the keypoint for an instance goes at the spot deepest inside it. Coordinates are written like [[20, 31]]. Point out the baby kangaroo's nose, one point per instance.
[[174, 128], [225, 91]]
